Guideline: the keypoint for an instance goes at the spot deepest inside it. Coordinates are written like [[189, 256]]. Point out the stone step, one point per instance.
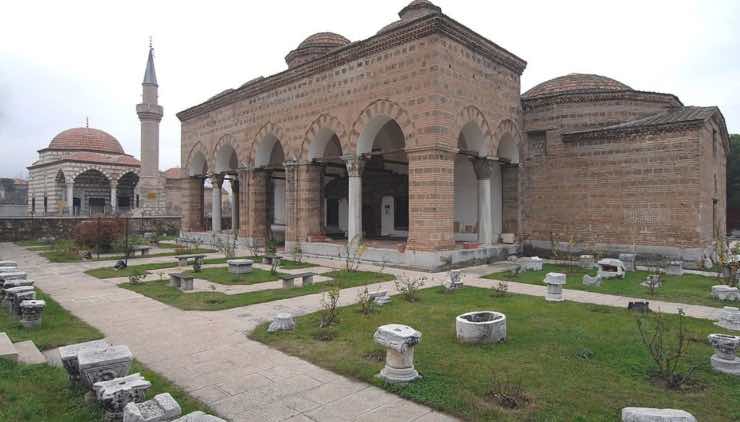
[[7, 350], [29, 353], [52, 357]]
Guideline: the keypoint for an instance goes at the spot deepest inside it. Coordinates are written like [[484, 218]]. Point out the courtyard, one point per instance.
[[213, 345]]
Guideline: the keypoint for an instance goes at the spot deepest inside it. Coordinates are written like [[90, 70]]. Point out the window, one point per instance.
[[33, 205], [46, 205], [537, 144]]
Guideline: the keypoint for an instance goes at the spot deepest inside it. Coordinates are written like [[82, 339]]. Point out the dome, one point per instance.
[[88, 139], [315, 46], [575, 83], [413, 10]]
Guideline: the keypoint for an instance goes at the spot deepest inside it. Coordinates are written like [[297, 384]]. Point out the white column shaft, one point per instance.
[[485, 229], [497, 205], [216, 208], [113, 199], [70, 198], [354, 225]]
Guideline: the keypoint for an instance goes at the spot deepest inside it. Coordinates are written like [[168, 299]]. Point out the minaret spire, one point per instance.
[[150, 76]]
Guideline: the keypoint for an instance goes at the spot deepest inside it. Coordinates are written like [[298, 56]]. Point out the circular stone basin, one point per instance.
[[481, 327]]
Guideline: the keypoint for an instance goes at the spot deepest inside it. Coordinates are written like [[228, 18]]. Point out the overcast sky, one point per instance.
[[63, 61]]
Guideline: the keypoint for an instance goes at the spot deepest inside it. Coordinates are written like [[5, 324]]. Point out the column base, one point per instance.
[[398, 375]]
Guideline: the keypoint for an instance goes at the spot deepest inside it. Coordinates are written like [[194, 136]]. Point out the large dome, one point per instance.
[[575, 83], [86, 139], [315, 46]]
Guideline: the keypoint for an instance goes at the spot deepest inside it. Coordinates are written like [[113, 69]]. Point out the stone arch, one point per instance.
[[471, 123], [319, 134], [119, 176], [225, 161], [197, 162], [100, 169], [264, 141], [372, 119], [507, 141]]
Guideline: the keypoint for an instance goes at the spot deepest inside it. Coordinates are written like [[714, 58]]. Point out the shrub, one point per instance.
[[367, 303], [668, 347], [137, 276], [329, 303], [507, 394], [98, 233], [409, 287]]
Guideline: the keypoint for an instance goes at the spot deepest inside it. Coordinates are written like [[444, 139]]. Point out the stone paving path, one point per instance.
[[208, 354]]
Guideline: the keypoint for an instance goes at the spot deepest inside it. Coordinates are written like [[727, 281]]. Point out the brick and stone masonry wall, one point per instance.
[[16, 229]]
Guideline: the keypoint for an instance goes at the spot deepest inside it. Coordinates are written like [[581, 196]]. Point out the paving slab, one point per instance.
[[7, 350], [29, 353]]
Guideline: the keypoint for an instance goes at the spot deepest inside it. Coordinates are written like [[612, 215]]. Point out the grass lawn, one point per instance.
[[688, 288], [61, 256], [214, 301], [58, 327], [540, 354], [223, 276], [41, 393]]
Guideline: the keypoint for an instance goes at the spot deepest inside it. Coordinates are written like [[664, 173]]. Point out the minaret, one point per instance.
[[152, 199]]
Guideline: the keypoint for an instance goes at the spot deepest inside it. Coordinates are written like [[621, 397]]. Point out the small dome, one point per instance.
[[419, 8], [315, 46], [575, 83], [88, 139]]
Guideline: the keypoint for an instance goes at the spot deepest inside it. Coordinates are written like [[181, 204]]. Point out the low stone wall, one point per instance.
[[27, 228]]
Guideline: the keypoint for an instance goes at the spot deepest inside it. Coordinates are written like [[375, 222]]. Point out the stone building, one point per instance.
[[13, 197], [418, 141], [85, 171]]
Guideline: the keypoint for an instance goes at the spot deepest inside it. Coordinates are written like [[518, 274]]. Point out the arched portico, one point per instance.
[[196, 168], [91, 193], [226, 170]]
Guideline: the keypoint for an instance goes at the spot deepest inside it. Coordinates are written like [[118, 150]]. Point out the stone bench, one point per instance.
[[181, 281], [189, 259], [268, 259], [240, 266], [306, 279], [140, 248]]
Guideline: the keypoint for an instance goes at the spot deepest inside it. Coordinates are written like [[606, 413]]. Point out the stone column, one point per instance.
[[291, 192], [497, 205], [309, 207], [234, 206], [216, 181], [70, 198], [431, 197], [257, 206], [192, 209], [244, 202], [482, 168], [113, 198], [355, 166]]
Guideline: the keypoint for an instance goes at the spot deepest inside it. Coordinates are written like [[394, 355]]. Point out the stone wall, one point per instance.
[[16, 229]]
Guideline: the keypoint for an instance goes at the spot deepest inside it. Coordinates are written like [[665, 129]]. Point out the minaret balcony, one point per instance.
[[149, 111]]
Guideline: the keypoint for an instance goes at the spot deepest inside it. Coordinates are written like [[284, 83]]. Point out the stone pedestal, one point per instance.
[[399, 342], [586, 261], [13, 275], [482, 327], [455, 281], [675, 268], [31, 311], [380, 297], [628, 259], [646, 414], [104, 364], [240, 266], [69, 355], [116, 393], [555, 282], [610, 268], [725, 358], [198, 416], [508, 238], [531, 264], [13, 295], [281, 322], [729, 318], [162, 408], [726, 293], [591, 281]]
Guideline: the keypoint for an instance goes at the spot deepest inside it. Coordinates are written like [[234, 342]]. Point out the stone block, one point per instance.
[[116, 393], [508, 238], [6, 263], [531, 263], [104, 364], [675, 268], [69, 354], [586, 261], [646, 414], [610, 268], [483, 327], [628, 259], [240, 266], [725, 293], [281, 322], [591, 281], [729, 318], [7, 350], [31, 311], [399, 342], [198, 416], [555, 282], [725, 357], [162, 408]]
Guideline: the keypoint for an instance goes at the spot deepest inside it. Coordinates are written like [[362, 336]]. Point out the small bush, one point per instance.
[[409, 287], [501, 289], [329, 303], [367, 304], [507, 394], [98, 233]]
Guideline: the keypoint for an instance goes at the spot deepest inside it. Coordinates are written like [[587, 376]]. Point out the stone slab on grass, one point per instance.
[[29, 353], [7, 350]]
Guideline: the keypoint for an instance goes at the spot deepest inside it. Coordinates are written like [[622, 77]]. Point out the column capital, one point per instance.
[[355, 165], [482, 167], [217, 179]]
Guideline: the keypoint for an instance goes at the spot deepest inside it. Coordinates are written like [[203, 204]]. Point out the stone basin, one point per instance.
[[481, 327]]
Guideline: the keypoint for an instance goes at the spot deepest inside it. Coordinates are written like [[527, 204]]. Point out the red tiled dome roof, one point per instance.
[[315, 46], [88, 139], [575, 83], [174, 173]]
